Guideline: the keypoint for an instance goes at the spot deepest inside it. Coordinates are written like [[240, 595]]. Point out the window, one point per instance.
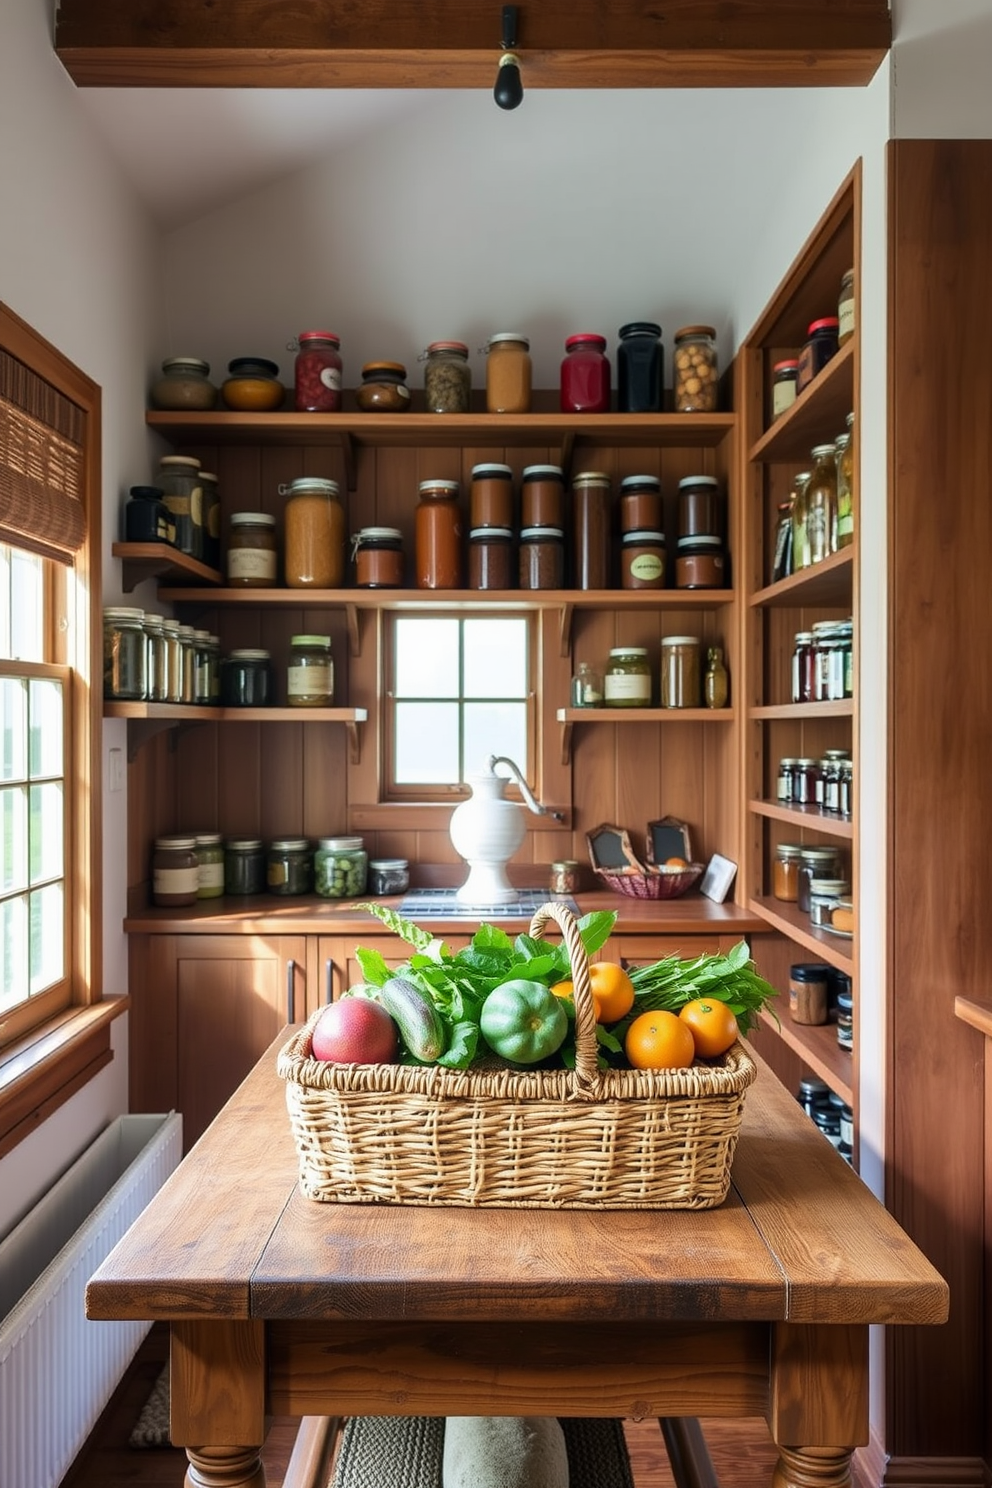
[[459, 691]]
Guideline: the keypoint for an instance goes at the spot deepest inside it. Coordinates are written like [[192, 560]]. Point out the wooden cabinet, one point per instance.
[[774, 611]]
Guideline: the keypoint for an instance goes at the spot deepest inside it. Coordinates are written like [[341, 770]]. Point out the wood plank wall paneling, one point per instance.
[[940, 618]]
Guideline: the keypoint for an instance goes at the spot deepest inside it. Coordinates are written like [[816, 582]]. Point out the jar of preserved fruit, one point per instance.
[[681, 678], [209, 848], [246, 679], [378, 557], [317, 372], [800, 539], [175, 872], [642, 560], [846, 309], [447, 378], [785, 872], [491, 558], [627, 679], [438, 536], [819, 347], [845, 493], [184, 386], [563, 876], [585, 375], [340, 867], [508, 373], [252, 385], [388, 876], [125, 654], [156, 660], [542, 558], [699, 563], [182, 492], [785, 376], [491, 496], [695, 369], [244, 866], [591, 529], [146, 516], [640, 503], [289, 866], [639, 367], [313, 534], [251, 550], [700, 507], [310, 674], [542, 496], [383, 388], [803, 667], [821, 504]]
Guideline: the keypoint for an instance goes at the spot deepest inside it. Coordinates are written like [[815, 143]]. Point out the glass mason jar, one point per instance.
[[244, 866], [542, 558], [313, 534], [642, 560], [591, 529], [800, 538], [182, 492], [627, 679], [845, 487], [785, 872], [175, 872], [585, 375], [184, 385], [447, 378], [587, 687], [340, 867], [388, 876], [125, 654], [378, 557], [542, 496], [211, 518], [784, 378], [157, 662], [821, 504], [640, 503], [209, 848], [639, 367], [695, 370], [815, 862], [681, 676], [846, 309], [201, 666], [383, 388], [289, 866], [508, 373], [251, 550], [187, 663], [491, 558], [246, 679], [491, 496], [310, 674], [252, 385], [173, 660], [317, 372], [438, 536]]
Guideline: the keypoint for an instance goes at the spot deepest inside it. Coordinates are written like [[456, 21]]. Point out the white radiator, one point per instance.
[[57, 1369]]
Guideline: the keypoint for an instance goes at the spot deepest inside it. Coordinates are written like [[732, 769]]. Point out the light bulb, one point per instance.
[[509, 90]]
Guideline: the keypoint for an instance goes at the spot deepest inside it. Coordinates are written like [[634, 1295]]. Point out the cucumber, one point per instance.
[[417, 1018]]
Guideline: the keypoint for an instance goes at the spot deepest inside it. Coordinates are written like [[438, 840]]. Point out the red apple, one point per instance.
[[355, 1030]]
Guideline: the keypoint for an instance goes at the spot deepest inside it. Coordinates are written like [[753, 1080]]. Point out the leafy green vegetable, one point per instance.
[[672, 982]]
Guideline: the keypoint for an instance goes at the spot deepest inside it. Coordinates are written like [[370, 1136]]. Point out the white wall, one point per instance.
[[78, 262], [940, 69]]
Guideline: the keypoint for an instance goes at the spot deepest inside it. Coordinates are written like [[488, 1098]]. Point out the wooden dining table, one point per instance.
[[281, 1306]]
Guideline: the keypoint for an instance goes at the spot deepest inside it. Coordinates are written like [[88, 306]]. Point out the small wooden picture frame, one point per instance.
[[718, 879]]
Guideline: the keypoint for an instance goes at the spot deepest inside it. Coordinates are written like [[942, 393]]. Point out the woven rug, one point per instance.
[[152, 1427]]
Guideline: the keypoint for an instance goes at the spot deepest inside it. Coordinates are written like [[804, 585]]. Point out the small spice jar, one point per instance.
[[585, 375], [378, 557], [508, 373], [695, 369], [251, 550], [627, 679], [542, 558], [340, 867], [388, 876], [383, 388], [310, 674], [491, 558], [175, 872], [845, 1020], [819, 347], [803, 667], [826, 897], [125, 654], [587, 687], [639, 367], [814, 862], [681, 675], [591, 529], [700, 507], [699, 563], [317, 372], [289, 866], [805, 774], [253, 385], [785, 872], [846, 308], [438, 536], [313, 533], [244, 866], [785, 376], [146, 516], [182, 492], [447, 378], [246, 679], [184, 386], [491, 496], [563, 876], [808, 985], [640, 503], [542, 496], [209, 848], [813, 1094], [642, 560]]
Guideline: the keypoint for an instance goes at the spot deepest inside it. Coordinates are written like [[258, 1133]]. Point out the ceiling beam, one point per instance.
[[456, 43]]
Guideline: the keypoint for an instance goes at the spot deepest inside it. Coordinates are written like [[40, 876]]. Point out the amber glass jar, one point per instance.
[[508, 373], [313, 534], [491, 558], [542, 558], [695, 369], [253, 385], [438, 536], [378, 555], [383, 388], [317, 372], [642, 560], [491, 496], [640, 503], [251, 550], [681, 677], [542, 496], [591, 529], [175, 872], [447, 378]]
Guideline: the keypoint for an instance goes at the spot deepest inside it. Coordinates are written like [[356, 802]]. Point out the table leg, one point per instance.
[[813, 1467], [218, 1399], [224, 1467], [819, 1402]]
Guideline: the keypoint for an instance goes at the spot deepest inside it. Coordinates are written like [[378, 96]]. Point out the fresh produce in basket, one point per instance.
[[355, 1031], [511, 999]]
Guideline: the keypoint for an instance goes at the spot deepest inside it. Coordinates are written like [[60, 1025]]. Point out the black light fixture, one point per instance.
[[509, 90]]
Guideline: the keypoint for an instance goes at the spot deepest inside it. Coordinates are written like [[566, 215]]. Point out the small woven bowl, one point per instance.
[[653, 883]]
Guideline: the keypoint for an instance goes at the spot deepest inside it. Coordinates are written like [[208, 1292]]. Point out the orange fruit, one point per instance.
[[566, 989], [659, 1041], [612, 990], [712, 1025], [676, 863]]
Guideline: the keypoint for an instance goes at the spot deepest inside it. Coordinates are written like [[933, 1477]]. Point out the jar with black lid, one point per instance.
[[491, 496], [378, 556], [813, 1094], [642, 560], [542, 558], [591, 529], [639, 367], [175, 872], [289, 866], [542, 496], [125, 654], [146, 516], [383, 388], [182, 492], [700, 507], [820, 346], [246, 679], [447, 378], [490, 558], [244, 866], [251, 550], [640, 503], [699, 563]]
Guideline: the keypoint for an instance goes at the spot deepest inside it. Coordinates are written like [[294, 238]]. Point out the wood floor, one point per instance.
[[742, 1452]]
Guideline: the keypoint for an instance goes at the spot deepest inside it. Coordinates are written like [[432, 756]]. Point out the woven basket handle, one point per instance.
[[586, 1067]]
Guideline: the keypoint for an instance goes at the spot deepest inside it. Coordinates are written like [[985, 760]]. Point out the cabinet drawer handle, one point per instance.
[[329, 979], [291, 991]]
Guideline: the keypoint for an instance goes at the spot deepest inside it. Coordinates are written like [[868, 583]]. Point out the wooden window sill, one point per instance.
[[40, 1072]]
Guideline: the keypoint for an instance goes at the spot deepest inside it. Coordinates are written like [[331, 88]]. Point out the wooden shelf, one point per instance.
[[792, 922], [842, 708], [818, 1048], [153, 560], [804, 817], [818, 414], [568, 717], [148, 719], [827, 584]]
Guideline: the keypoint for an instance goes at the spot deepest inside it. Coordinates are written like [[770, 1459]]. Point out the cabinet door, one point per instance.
[[338, 967]]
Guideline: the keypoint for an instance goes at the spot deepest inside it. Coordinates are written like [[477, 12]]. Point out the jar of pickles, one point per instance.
[[627, 679], [340, 867], [209, 847], [289, 866]]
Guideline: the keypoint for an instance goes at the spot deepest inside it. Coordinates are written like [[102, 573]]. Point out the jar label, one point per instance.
[[251, 563], [196, 505], [310, 681], [783, 396], [276, 874], [845, 319], [331, 378], [647, 566], [175, 880], [628, 685], [211, 875]]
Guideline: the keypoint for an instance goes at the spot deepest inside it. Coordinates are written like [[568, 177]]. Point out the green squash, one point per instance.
[[523, 1021]]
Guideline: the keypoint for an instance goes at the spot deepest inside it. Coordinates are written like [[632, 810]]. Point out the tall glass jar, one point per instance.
[[157, 681], [313, 534], [125, 654], [591, 529], [800, 538], [173, 660], [317, 372], [438, 536], [508, 373], [182, 492], [201, 666], [639, 367], [585, 375], [695, 369], [187, 652], [681, 676], [845, 485], [821, 504], [447, 378]]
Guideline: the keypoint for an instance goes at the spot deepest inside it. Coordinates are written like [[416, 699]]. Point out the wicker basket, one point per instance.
[[650, 882], [509, 1138]]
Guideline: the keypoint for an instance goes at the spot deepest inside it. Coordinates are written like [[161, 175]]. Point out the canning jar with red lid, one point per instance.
[[821, 345], [317, 372], [585, 375]]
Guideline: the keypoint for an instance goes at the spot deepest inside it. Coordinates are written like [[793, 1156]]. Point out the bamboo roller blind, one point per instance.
[[41, 464]]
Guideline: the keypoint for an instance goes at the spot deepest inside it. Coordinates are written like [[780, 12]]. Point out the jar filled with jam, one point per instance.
[[820, 346], [508, 373], [642, 560], [585, 375], [491, 496], [313, 534], [251, 550], [438, 536], [640, 503], [542, 558], [378, 557], [317, 372], [542, 496]]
